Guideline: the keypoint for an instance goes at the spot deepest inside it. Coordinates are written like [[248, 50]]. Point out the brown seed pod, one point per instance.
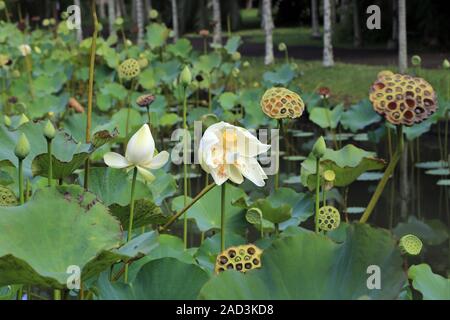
[[75, 105], [280, 103], [145, 100], [403, 99], [241, 258]]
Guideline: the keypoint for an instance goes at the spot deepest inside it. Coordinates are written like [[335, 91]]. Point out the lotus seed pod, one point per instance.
[[236, 56], [246, 64], [45, 22], [445, 64], [282, 46], [7, 120], [23, 119], [329, 218], [329, 175], [416, 61], [319, 148], [143, 62], [186, 76], [7, 197], [145, 100], [403, 99], [129, 69], [22, 149], [410, 244], [240, 258], [279, 103], [119, 21], [153, 14], [49, 130]]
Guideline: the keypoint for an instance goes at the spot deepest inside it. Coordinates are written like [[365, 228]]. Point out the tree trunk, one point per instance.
[[344, 12], [101, 8], [148, 8], [140, 21], [315, 19], [404, 183], [249, 4], [79, 30], [402, 42], [328, 60], [393, 42], [268, 30], [357, 39], [333, 12], [217, 34], [111, 15], [175, 19]]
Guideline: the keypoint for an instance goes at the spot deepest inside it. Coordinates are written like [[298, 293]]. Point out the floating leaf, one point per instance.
[[431, 285], [281, 76], [228, 100], [432, 165], [438, 172], [326, 118], [359, 116]]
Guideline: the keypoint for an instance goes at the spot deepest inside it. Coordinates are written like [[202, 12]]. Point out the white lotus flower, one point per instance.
[[140, 154], [24, 49], [229, 152]]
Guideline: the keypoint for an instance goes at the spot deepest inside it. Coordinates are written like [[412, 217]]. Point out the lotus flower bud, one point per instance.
[[23, 119], [186, 76], [153, 14], [416, 61], [319, 148], [445, 64], [22, 149], [282, 46], [24, 49], [49, 130], [7, 120]]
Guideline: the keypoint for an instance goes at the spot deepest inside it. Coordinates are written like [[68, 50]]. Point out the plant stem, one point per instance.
[[130, 222], [316, 220], [56, 294], [222, 218], [149, 117], [286, 54], [186, 208], [21, 193], [387, 173], [50, 162], [277, 175], [185, 168], [90, 91]]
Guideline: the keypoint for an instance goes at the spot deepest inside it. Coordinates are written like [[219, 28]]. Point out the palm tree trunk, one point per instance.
[[79, 30], [140, 21], [393, 42], [402, 42], [328, 59], [101, 8], [111, 15], [315, 19], [357, 39], [175, 19], [217, 35], [268, 30], [148, 8]]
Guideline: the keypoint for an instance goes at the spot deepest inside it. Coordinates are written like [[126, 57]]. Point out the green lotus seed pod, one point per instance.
[[153, 14], [319, 148], [49, 130], [329, 218], [2, 5], [246, 64], [186, 76], [282, 46], [445, 64], [410, 244], [45, 22], [236, 56], [416, 61], [23, 119], [22, 147], [129, 69], [7, 120]]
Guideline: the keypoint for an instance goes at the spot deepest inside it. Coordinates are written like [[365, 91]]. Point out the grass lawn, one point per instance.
[[349, 83]]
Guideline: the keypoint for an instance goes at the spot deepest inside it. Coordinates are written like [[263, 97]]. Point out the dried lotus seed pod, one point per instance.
[[241, 258], [7, 197], [129, 69], [329, 218], [403, 99], [145, 100], [280, 103]]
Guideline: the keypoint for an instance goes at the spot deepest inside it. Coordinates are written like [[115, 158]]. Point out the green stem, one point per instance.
[[324, 196], [50, 162], [316, 220], [387, 173], [277, 175], [130, 223], [185, 168], [21, 193], [286, 54], [56, 294], [446, 136], [149, 117], [222, 218]]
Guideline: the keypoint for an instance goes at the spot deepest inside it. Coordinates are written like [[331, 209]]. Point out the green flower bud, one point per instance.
[[45, 22], [49, 130], [246, 64], [416, 61], [23, 119], [319, 148], [282, 46], [153, 14], [186, 76], [7, 120], [22, 147], [37, 50], [236, 56], [445, 64]]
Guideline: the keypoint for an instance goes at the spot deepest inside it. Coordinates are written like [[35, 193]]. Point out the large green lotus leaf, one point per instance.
[[59, 227], [431, 285], [431, 232], [359, 116], [181, 48], [254, 116], [157, 35], [206, 63], [326, 118], [206, 211], [9, 292], [312, 266], [162, 279], [348, 164], [418, 129], [119, 119], [145, 212], [228, 100], [163, 186], [301, 203]]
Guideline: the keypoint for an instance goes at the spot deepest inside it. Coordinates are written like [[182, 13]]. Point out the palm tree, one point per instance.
[[328, 60], [175, 19], [402, 42], [140, 21], [79, 29], [268, 30], [315, 19], [111, 15], [217, 34]]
